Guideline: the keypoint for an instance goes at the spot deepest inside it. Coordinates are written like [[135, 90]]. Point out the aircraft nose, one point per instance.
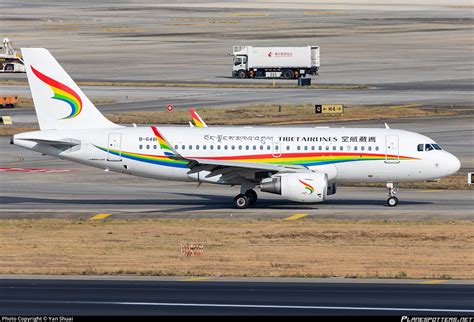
[[452, 164]]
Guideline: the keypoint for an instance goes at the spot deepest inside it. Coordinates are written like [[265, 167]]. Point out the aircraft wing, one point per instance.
[[224, 167]]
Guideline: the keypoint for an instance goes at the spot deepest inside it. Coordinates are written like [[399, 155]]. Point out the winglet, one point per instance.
[[197, 119], [164, 144]]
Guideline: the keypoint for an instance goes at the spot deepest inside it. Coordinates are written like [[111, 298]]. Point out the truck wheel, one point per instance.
[[242, 74], [287, 74]]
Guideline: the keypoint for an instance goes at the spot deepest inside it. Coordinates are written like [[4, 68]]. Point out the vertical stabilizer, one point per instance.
[[59, 102]]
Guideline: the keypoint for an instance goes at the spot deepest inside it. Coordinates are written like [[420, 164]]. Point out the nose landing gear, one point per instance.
[[392, 201]]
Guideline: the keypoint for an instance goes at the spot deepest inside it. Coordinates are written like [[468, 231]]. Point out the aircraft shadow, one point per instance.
[[193, 201]]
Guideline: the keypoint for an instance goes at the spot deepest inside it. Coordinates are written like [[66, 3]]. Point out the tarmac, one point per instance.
[[61, 189], [199, 296]]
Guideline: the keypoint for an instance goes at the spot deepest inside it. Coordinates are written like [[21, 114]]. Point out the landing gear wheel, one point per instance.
[[241, 201], [392, 201], [252, 195]]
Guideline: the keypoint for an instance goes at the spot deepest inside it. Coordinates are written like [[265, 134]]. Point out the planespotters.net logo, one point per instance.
[[436, 319]]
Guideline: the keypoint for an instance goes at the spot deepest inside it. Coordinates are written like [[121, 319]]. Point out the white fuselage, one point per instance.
[[345, 154]]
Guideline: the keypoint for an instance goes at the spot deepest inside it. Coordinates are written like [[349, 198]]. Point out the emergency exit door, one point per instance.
[[391, 149], [114, 152]]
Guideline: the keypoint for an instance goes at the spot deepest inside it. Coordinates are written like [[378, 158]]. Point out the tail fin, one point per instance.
[[59, 102]]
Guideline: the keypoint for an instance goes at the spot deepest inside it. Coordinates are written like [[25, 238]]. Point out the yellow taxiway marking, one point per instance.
[[296, 217], [196, 279], [433, 282], [100, 216]]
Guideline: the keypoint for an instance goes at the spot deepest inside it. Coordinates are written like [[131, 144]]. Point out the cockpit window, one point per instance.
[[428, 147]]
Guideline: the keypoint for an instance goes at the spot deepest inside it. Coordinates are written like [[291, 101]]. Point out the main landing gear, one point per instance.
[[392, 201], [242, 201]]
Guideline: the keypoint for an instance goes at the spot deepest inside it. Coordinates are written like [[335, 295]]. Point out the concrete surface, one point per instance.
[[82, 191], [193, 297], [361, 43]]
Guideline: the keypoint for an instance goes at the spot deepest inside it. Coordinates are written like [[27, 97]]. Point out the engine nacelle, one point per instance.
[[302, 187], [332, 188]]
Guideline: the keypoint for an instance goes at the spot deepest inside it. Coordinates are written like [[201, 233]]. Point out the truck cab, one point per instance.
[[240, 65]]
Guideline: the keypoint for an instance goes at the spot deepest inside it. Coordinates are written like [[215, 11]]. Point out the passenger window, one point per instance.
[[211, 147], [261, 147], [148, 147], [233, 147], [362, 148], [197, 147], [255, 147], [327, 147], [376, 148], [190, 147], [420, 147], [370, 148], [218, 147], [247, 147], [154, 147], [341, 148], [176, 147], [334, 148], [277, 147], [355, 148], [182, 147], [320, 148], [288, 148], [225, 147], [140, 146], [313, 148], [306, 148], [298, 148], [240, 147], [204, 147]]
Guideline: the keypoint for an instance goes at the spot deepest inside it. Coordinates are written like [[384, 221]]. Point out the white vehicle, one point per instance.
[[274, 62], [10, 60], [300, 164]]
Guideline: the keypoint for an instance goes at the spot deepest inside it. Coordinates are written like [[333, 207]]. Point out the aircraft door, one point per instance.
[[391, 149], [276, 149], [115, 142]]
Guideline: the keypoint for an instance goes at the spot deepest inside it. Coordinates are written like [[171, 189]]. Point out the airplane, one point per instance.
[[302, 164]]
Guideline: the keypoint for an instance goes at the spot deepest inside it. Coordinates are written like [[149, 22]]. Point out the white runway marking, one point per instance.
[[249, 306]]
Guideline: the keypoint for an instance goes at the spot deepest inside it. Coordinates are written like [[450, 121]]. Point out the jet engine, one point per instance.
[[302, 187], [332, 188]]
